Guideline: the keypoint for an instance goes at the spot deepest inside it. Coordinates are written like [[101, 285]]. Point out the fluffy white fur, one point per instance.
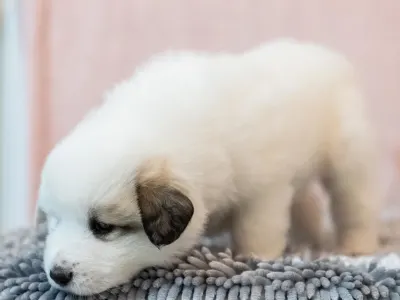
[[241, 135]]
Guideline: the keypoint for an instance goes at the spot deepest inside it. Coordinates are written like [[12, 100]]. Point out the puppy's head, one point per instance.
[[107, 221]]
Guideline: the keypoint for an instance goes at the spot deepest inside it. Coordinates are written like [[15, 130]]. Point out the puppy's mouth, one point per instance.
[[78, 290], [57, 286], [81, 289], [72, 288]]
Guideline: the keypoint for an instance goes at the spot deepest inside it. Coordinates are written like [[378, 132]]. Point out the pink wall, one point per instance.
[[83, 47]]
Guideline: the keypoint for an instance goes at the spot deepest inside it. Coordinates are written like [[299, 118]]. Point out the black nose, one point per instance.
[[61, 276]]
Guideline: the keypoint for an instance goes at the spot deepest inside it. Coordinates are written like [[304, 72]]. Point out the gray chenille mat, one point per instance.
[[204, 274]]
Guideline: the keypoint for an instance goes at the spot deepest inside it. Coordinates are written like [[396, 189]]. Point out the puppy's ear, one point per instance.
[[165, 211]]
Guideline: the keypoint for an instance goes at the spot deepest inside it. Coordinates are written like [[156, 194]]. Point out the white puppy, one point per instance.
[[194, 138]]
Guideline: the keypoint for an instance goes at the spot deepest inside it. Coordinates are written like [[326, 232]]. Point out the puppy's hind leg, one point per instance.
[[260, 226], [308, 229], [351, 178]]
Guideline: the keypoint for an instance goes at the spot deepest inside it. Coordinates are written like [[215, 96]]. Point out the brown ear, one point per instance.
[[165, 212]]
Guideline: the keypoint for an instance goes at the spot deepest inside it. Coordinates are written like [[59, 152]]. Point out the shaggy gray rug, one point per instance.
[[206, 275]]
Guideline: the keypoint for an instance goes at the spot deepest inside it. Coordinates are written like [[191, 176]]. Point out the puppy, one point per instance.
[[193, 139]]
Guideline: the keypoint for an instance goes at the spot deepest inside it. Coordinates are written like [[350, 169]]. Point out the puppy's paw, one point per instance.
[[357, 250], [359, 243]]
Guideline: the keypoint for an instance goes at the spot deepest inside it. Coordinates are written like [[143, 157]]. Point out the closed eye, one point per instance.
[[99, 228], [108, 231]]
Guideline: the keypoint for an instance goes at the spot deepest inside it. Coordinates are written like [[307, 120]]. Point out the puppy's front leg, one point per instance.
[[260, 225]]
